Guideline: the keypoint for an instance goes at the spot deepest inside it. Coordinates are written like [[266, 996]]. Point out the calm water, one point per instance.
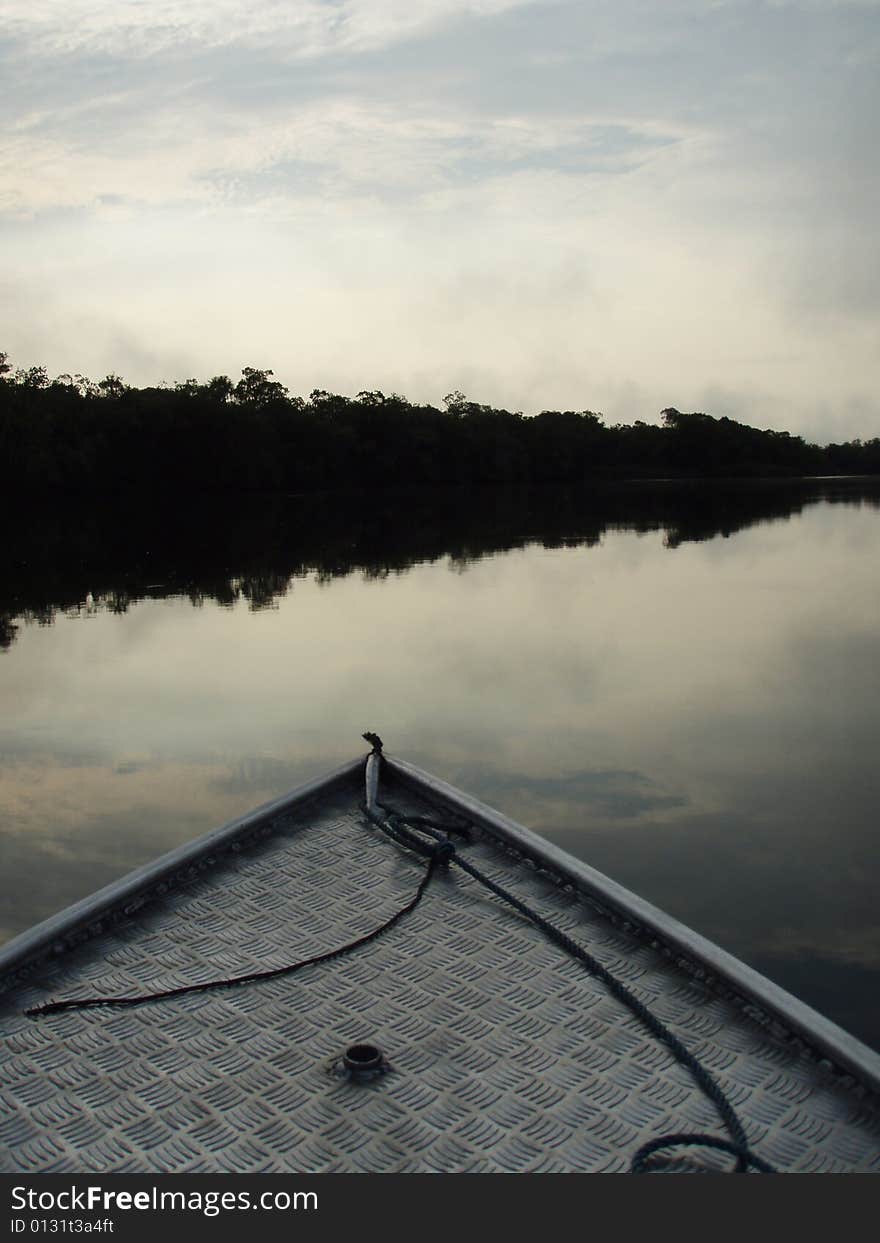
[[680, 685]]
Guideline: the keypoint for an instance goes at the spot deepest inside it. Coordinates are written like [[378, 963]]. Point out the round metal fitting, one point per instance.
[[360, 1057], [361, 1062]]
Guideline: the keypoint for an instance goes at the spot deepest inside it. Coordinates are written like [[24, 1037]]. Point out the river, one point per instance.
[[679, 683]]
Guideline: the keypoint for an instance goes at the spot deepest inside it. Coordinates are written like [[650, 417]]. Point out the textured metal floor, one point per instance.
[[505, 1054]]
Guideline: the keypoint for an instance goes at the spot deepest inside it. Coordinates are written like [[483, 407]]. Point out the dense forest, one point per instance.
[[73, 434]]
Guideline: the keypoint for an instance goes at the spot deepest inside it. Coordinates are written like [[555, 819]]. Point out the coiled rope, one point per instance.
[[739, 1145], [400, 827]]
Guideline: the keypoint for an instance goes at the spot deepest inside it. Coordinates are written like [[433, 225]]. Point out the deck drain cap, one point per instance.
[[361, 1062], [361, 1057]]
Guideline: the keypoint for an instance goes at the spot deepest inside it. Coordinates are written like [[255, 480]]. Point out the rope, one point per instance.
[[92, 1003], [398, 827], [639, 1161]]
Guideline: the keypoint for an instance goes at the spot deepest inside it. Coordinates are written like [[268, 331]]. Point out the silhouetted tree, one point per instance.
[[112, 386], [253, 435]]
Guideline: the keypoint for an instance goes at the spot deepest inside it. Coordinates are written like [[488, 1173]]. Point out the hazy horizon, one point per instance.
[[618, 207]]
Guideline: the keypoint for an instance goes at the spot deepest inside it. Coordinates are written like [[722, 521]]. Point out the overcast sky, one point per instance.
[[616, 206]]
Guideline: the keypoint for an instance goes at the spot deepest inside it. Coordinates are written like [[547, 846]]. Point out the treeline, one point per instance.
[[71, 433]]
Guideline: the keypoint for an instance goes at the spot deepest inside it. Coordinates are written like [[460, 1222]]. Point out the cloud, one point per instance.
[[626, 205], [302, 28], [182, 148]]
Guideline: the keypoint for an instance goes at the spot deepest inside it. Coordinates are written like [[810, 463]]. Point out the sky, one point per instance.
[[613, 205]]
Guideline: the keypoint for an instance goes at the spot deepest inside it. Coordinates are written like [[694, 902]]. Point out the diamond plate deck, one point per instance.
[[505, 1054]]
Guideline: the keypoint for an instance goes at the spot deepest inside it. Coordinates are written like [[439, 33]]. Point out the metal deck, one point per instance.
[[505, 1055]]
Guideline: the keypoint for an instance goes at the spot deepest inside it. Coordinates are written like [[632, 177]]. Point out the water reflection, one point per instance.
[[693, 714], [83, 559]]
